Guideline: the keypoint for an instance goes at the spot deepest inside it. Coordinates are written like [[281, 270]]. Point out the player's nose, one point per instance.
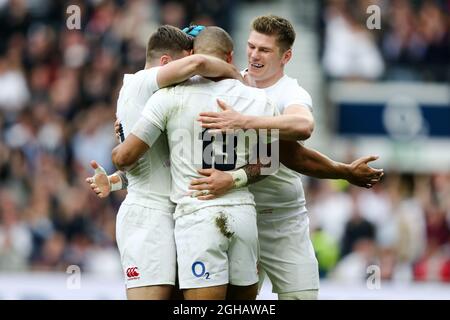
[[254, 55]]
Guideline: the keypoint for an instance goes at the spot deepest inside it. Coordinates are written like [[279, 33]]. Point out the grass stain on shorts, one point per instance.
[[222, 224]]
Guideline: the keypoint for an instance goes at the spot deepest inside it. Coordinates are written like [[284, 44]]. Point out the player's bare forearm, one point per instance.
[[197, 64], [125, 155], [119, 159], [310, 162], [315, 164], [297, 122], [213, 67], [291, 126]]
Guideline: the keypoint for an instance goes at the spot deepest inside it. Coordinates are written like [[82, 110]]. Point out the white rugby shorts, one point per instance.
[[216, 246], [286, 253], [147, 246]]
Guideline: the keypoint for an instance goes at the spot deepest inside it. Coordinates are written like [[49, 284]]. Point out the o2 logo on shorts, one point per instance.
[[199, 270]]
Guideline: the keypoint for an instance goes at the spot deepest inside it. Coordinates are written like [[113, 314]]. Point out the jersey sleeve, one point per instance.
[[154, 117], [158, 107], [296, 95], [147, 79], [146, 131]]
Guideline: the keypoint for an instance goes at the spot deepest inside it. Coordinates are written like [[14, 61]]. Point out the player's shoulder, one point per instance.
[[253, 92], [137, 79], [148, 71], [194, 83], [163, 93], [144, 73], [290, 83]]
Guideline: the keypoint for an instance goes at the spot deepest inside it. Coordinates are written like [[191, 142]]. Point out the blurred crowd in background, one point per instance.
[[58, 89], [413, 43]]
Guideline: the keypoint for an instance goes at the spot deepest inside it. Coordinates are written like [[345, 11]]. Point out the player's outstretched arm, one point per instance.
[[197, 64], [313, 163], [296, 123], [102, 184]]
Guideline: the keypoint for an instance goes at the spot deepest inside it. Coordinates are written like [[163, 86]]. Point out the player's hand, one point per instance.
[[214, 184], [224, 121], [362, 175], [99, 182]]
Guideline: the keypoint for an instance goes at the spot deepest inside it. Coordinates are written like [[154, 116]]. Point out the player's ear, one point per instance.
[[229, 57], [165, 59], [286, 56]]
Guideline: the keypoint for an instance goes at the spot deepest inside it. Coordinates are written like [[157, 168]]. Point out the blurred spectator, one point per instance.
[[435, 263], [95, 138], [329, 209], [52, 255], [14, 94], [353, 267], [403, 47], [200, 12], [174, 13], [412, 45], [350, 51], [434, 27], [15, 238], [410, 219], [357, 228], [327, 251], [409, 239]]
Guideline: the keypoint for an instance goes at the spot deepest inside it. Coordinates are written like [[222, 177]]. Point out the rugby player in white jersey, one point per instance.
[[286, 252], [144, 228], [216, 240]]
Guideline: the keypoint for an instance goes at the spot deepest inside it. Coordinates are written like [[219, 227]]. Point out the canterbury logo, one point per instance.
[[132, 272]]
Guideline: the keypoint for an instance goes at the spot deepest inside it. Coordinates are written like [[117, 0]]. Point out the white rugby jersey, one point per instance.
[[176, 110], [283, 191], [149, 182]]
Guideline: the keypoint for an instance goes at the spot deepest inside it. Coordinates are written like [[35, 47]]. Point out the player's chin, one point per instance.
[[254, 72]]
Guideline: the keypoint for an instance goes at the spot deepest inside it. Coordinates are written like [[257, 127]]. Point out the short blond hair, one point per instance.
[[272, 25]]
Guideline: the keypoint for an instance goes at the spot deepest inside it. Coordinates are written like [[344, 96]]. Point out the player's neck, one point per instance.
[[152, 64]]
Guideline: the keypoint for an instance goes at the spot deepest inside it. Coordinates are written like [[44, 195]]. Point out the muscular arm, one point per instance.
[[313, 163], [296, 122], [125, 155], [197, 64]]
